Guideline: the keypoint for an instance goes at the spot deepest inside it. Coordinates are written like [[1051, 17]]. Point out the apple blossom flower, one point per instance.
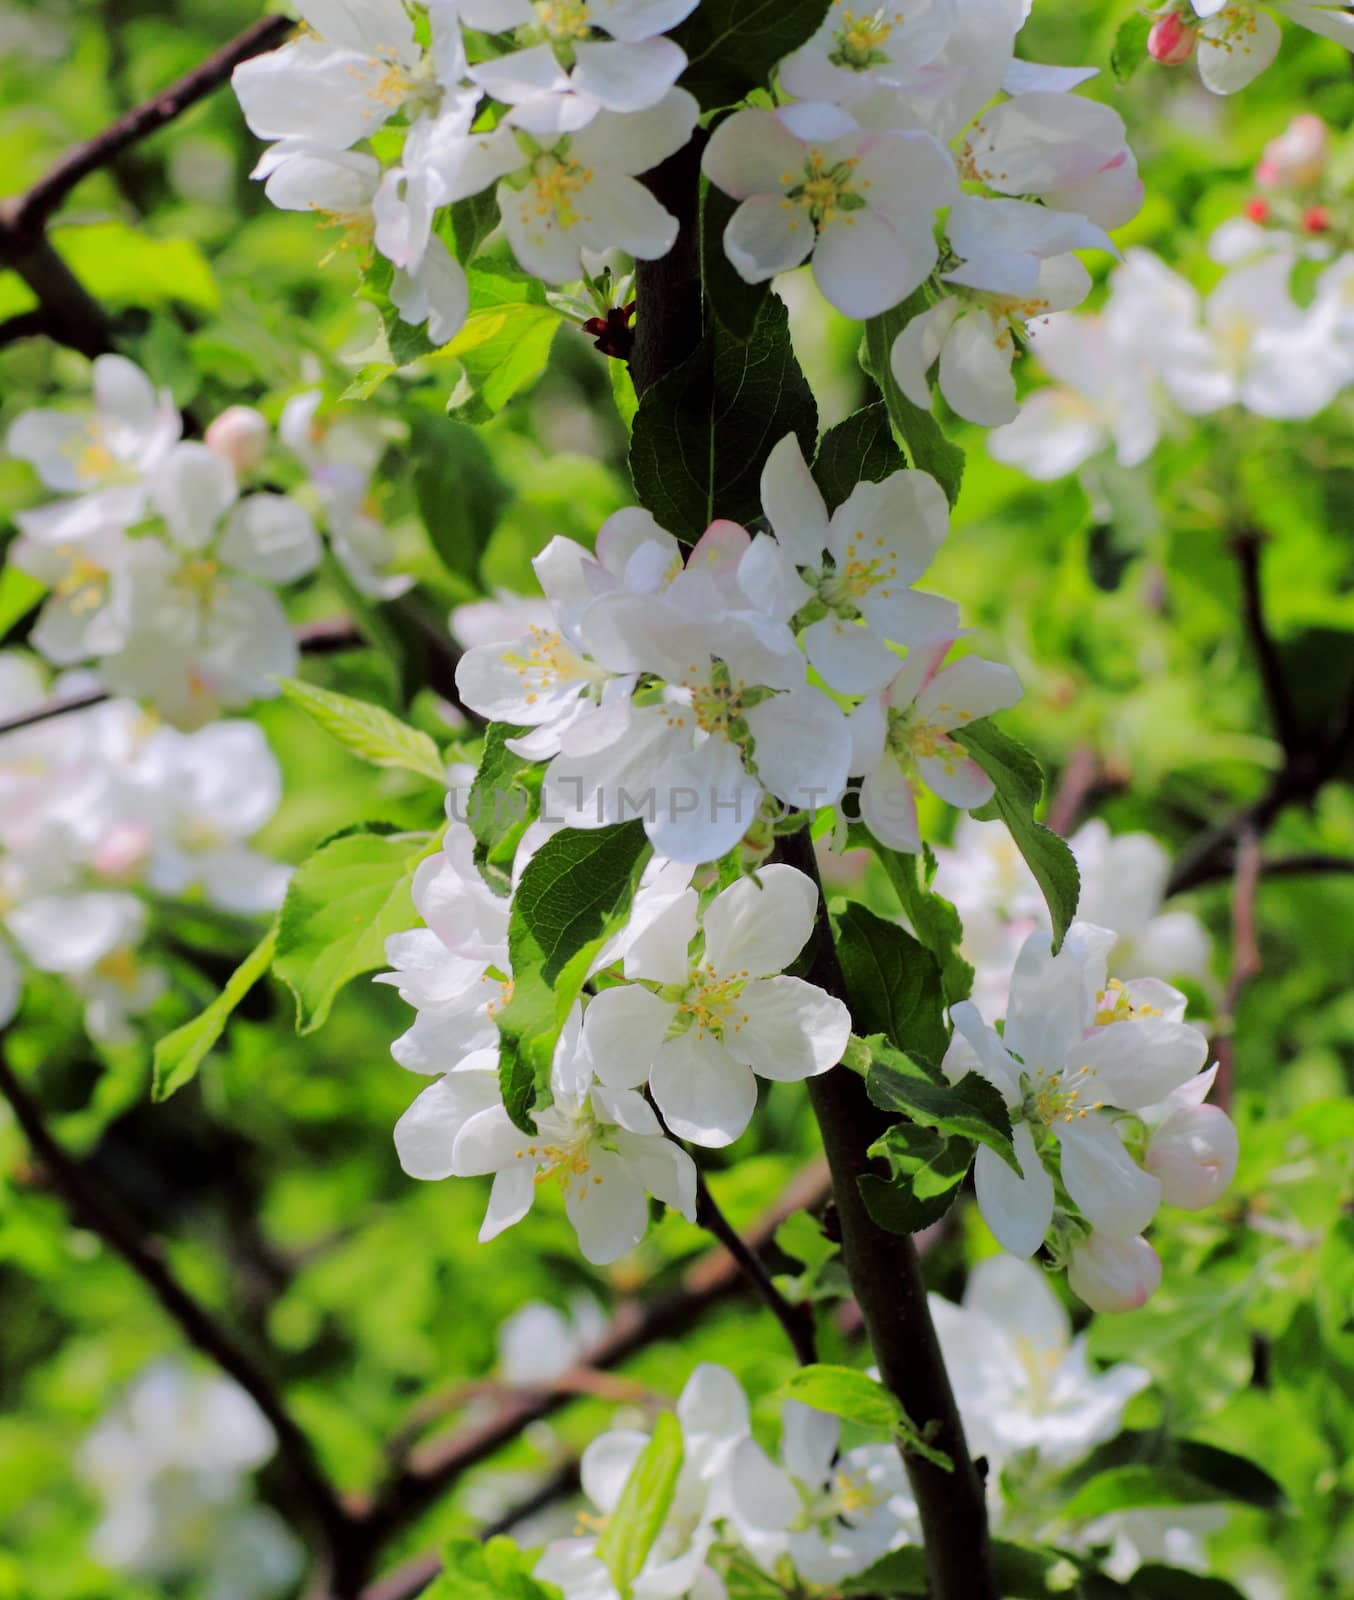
[[1017, 268], [340, 451], [834, 1513], [812, 182], [857, 566], [240, 434], [699, 1023], [578, 57], [565, 193], [1112, 1274], [900, 739], [1296, 158], [1192, 1148], [1238, 39], [170, 1464], [604, 1147], [109, 454], [86, 612], [858, 50], [1076, 1051], [1022, 1382], [713, 1413]]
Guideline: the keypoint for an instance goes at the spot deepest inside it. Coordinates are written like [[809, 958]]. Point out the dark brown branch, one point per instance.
[[1310, 865], [668, 291], [327, 637], [885, 1273], [34, 324], [73, 316], [1282, 712], [431, 1470], [23, 219], [91, 1207], [797, 1321]]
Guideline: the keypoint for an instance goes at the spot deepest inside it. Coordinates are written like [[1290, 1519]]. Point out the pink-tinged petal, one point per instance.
[[1114, 1274], [958, 780], [888, 807]]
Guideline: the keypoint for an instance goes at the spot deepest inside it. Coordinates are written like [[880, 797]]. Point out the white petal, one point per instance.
[[704, 1094], [917, 348], [509, 1201], [426, 1134], [608, 1209], [790, 1030], [627, 77], [888, 807], [864, 265], [793, 503], [1018, 1210], [607, 1464], [749, 152], [622, 1030], [850, 656], [803, 747], [1138, 1062], [1112, 1191], [1230, 58], [192, 491], [766, 236], [975, 370], [759, 925], [270, 536], [763, 1496]]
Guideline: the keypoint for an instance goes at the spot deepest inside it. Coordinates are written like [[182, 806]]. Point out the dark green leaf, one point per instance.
[[572, 896], [860, 449], [893, 983], [342, 904], [469, 223], [1125, 1466], [1019, 783], [1130, 46], [645, 1501], [703, 432], [733, 45], [901, 1574], [934, 920], [927, 1169], [460, 494], [856, 1397], [917, 431], [1171, 1583], [970, 1109], [179, 1054]]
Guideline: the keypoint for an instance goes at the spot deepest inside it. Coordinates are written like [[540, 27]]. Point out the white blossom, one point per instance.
[[1238, 39]]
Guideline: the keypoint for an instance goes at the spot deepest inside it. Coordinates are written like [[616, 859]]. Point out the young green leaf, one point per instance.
[[917, 431], [970, 1109], [501, 350], [928, 1168], [503, 802], [179, 1054], [645, 1501], [342, 904], [573, 895], [934, 920], [1019, 782], [860, 449], [498, 1570], [893, 983], [856, 1397], [1130, 46], [367, 730], [733, 45], [703, 431], [460, 494]]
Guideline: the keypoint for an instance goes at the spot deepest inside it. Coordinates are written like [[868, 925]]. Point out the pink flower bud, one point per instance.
[[1114, 1274], [1194, 1154], [1171, 41], [1257, 209], [240, 434], [1316, 219], [1297, 158], [123, 851]]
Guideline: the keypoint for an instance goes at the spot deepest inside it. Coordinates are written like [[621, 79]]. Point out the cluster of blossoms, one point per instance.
[[819, 1514], [1105, 1086], [162, 563], [1235, 40], [884, 115], [171, 1466], [100, 808], [1157, 351]]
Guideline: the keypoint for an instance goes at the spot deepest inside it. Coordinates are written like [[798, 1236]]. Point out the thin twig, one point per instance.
[[23, 219], [1082, 778], [94, 1208], [1278, 697], [1309, 865], [1246, 962], [796, 1320], [32, 324]]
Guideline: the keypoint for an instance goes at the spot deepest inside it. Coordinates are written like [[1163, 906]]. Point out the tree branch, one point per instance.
[[1246, 962], [885, 1273], [797, 1321], [33, 324], [91, 1207], [73, 316], [23, 219], [1282, 712]]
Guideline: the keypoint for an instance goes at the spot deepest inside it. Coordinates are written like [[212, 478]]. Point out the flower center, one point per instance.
[[553, 189], [859, 40], [1114, 1004], [1232, 29], [912, 738], [119, 967], [1059, 1096], [545, 663], [712, 1003], [84, 583], [823, 191], [864, 570], [564, 20], [199, 578], [563, 1150]]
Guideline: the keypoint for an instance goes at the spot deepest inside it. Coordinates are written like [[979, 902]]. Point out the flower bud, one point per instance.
[[240, 434], [1297, 158], [1193, 1154], [1170, 41], [1316, 219], [121, 854], [1257, 209], [1114, 1274]]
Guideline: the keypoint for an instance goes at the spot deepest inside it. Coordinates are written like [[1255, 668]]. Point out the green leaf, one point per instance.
[[502, 804], [1022, 1573], [856, 1397], [861, 449], [122, 265], [18, 595], [342, 904], [501, 350], [1171, 1583], [703, 431], [643, 1507], [927, 1168], [367, 730], [732, 46], [917, 431], [734, 301], [460, 494], [497, 1570], [970, 1109], [901, 1575], [1130, 46], [469, 223], [179, 1054], [893, 983], [934, 920], [1149, 1469], [1019, 783], [573, 895], [406, 343]]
